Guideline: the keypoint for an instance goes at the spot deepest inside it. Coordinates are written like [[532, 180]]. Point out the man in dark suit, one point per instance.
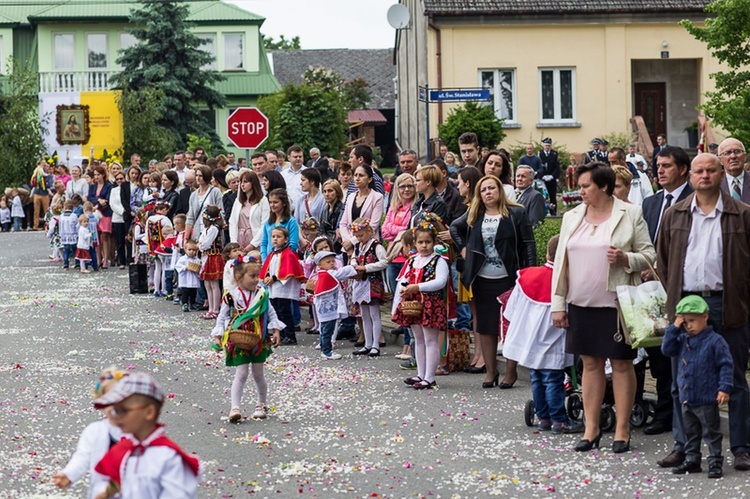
[[183, 202], [319, 163], [661, 143], [550, 173], [593, 154], [529, 197], [736, 181], [674, 167]]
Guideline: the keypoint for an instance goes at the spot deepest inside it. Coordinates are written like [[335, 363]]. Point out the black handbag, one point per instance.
[[138, 275]]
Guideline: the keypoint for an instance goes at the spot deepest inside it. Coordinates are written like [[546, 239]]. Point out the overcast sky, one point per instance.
[[324, 24]]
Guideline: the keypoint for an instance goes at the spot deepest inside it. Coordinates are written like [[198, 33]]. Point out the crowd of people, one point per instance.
[[441, 247]]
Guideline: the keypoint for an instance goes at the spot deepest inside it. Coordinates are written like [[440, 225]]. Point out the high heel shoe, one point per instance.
[[475, 370], [586, 445], [490, 384], [620, 446], [506, 386]]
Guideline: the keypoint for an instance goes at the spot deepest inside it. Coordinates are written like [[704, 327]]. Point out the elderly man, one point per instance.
[[736, 181], [529, 197], [703, 246], [183, 202], [320, 163]]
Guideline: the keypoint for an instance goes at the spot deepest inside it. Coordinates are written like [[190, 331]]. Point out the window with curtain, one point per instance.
[[209, 47], [502, 86], [557, 94], [234, 51], [64, 50], [96, 50]]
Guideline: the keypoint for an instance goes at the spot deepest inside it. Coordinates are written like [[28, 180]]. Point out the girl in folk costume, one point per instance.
[[212, 269], [95, 441], [230, 253], [424, 277], [83, 248], [140, 238], [247, 307], [154, 228], [53, 233], [368, 287], [282, 273]]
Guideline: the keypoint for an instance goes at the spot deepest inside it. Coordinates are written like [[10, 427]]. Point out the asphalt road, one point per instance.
[[349, 428]]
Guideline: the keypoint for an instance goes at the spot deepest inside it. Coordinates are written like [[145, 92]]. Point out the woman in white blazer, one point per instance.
[[249, 212], [603, 243], [365, 202]]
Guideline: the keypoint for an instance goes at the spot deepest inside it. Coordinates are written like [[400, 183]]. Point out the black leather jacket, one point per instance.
[[514, 242]]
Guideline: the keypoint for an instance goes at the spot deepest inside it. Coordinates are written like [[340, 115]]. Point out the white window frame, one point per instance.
[[106, 49], [214, 65], [54, 54], [495, 103], [244, 50], [556, 91]]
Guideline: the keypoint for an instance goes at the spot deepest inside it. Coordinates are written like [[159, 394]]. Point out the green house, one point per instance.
[[74, 47]]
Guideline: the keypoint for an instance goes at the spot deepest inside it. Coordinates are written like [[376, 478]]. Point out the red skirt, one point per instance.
[[83, 255], [213, 269], [434, 314]]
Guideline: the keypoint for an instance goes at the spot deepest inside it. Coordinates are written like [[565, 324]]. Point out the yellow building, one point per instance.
[[570, 70]]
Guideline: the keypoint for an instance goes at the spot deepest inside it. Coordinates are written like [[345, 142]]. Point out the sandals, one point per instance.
[[424, 384], [413, 380], [235, 415], [209, 315], [260, 412], [442, 371]]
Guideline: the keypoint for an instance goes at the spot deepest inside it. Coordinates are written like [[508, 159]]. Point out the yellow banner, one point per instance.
[[105, 123]]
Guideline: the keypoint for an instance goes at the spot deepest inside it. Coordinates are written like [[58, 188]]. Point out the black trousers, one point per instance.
[[123, 249], [283, 308], [661, 370]]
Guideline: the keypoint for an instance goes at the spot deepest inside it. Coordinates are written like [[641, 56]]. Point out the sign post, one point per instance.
[[247, 128], [448, 95]]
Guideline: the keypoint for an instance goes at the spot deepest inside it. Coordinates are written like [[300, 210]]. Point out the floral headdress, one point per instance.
[[104, 378], [310, 223], [246, 259], [362, 225], [208, 219], [161, 205], [425, 225]]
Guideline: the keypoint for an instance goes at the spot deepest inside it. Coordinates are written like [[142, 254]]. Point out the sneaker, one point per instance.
[[332, 356], [235, 415], [544, 425], [176, 300], [86, 271], [170, 297], [317, 346], [569, 427], [408, 365], [260, 412], [185, 307]]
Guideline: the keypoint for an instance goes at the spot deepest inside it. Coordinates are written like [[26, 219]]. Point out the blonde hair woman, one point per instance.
[[623, 179]]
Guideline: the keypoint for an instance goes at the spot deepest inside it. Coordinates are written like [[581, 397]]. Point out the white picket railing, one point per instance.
[[74, 81]]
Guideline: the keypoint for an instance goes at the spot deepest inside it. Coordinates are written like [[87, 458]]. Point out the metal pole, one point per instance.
[[427, 119], [247, 158]]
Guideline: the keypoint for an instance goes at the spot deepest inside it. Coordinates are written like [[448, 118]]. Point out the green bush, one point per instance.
[[543, 232], [472, 117], [519, 149], [619, 140]]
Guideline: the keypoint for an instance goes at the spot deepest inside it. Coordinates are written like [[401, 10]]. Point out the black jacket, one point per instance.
[[183, 202], [127, 218], [172, 197], [434, 204], [454, 204], [514, 242]]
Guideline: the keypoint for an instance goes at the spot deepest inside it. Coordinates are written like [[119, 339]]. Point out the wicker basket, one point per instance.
[[413, 308], [194, 267], [244, 340]]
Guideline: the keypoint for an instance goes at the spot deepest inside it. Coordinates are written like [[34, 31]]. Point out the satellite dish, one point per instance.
[[398, 16]]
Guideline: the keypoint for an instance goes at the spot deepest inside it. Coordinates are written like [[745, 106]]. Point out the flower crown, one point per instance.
[[310, 223], [425, 225], [363, 225], [161, 204], [428, 221], [115, 375], [246, 259], [208, 218]]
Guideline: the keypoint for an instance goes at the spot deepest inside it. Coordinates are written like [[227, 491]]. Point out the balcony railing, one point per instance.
[[75, 81]]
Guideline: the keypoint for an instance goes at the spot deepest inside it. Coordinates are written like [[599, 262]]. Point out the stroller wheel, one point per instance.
[[607, 418], [639, 414], [575, 406], [529, 412]]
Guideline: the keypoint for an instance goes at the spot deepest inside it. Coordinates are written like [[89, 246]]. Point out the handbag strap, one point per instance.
[[653, 272]]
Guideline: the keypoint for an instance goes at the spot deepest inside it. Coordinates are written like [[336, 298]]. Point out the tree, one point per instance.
[[21, 130], [168, 57], [356, 94], [141, 112], [472, 117], [727, 35], [282, 44]]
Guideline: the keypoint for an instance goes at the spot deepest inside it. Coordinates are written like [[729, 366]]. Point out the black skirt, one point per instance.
[[485, 293], [592, 332]]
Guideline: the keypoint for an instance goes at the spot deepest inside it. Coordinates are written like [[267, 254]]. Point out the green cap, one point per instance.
[[692, 304]]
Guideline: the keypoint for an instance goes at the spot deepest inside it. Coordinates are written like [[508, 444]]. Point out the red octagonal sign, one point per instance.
[[247, 127]]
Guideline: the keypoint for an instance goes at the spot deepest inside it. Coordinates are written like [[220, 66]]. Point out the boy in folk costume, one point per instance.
[[146, 464], [328, 298], [155, 237]]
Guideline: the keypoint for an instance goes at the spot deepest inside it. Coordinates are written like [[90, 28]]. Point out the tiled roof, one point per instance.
[[517, 7], [201, 11], [369, 116], [375, 66]]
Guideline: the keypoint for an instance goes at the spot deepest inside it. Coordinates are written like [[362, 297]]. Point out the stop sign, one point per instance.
[[247, 127]]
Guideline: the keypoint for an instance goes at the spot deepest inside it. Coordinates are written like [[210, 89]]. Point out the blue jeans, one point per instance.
[[463, 311], [391, 274], [296, 314], [93, 262], [16, 223], [547, 386], [168, 284], [69, 251], [347, 325], [201, 296], [326, 333]]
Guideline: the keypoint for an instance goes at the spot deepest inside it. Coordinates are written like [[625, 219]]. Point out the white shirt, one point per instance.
[[640, 189], [283, 288], [703, 269], [92, 445], [180, 174], [243, 300], [637, 160], [187, 278], [293, 184], [332, 305]]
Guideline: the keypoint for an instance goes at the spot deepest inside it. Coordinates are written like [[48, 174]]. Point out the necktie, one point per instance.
[[736, 191], [669, 199]]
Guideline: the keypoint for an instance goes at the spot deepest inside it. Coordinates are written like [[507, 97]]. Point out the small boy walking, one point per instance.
[[328, 298], [704, 379]]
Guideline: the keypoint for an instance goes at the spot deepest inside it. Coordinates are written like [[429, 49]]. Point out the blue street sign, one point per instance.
[[422, 94], [459, 95]]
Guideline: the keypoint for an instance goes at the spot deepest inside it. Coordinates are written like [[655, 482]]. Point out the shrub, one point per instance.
[[543, 232]]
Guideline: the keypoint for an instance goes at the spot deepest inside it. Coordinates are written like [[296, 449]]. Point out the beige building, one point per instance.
[[570, 70]]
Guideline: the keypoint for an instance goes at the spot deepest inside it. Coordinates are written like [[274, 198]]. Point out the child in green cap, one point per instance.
[[704, 379]]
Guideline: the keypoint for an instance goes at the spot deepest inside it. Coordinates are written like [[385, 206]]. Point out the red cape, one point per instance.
[[289, 266], [325, 283], [536, 283]]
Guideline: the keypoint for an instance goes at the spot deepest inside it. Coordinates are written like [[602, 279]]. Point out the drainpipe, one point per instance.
[[439, 62]]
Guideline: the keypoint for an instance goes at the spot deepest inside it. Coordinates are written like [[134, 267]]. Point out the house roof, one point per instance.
[[201, 11], [369, 116], [519, 7], [375, 66]]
